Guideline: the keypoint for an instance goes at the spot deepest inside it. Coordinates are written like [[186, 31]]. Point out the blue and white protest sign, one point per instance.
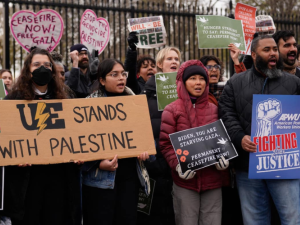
[[275, 130]]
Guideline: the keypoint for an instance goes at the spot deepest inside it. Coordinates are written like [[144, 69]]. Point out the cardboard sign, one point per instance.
[[2, 90], [94, 32], [203, 146], [275, 129], [166, 89], [145, 201], [246, 13], [56, 131], [151, 31], [219, 32], [43, 29]]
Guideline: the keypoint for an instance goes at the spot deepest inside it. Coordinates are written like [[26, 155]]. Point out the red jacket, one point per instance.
[[182, 115]]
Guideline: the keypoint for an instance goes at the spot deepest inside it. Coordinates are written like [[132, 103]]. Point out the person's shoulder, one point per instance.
[[240, 76], [292, 77]]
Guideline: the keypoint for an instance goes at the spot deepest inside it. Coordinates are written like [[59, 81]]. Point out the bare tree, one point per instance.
[[287, 7]]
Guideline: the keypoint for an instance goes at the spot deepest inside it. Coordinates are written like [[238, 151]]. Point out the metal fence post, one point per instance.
[[6, 35], [231, 64]]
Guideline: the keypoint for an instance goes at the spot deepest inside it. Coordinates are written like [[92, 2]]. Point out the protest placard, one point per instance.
[[56, 131], [43, 29], [265, 25], [166, 89], [94, 32], [275, 129], [151, 31], [219, 32], [203, 146], [145, 201], [2, 90], [246, 13]]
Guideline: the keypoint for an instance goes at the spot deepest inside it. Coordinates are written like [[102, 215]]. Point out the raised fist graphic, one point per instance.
[[266, 111]]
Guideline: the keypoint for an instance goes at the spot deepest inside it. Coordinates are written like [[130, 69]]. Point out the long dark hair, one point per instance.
[[23, 86]]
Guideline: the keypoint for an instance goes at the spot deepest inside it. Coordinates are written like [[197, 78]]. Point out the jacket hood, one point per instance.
[[181, 90]]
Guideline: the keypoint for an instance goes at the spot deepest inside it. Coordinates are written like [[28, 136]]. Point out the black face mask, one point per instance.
[[42, 76]]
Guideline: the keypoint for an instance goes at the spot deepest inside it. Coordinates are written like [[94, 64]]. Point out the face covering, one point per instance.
[[42, 76]]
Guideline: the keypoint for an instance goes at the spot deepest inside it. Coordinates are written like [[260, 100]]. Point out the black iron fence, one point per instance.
[[179, 21]]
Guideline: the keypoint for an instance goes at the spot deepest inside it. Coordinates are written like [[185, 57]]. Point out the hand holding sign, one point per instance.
[[223, 164], [43, 29], [247, 144], [234, 53], [132, 40], [187, 175], [109, 165], [94, 32]]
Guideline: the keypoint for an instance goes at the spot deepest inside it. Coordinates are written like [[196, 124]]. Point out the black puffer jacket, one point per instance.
[[235, 104], [80, 84], [162, 206]]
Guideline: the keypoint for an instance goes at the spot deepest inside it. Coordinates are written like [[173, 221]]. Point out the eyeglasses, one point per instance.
[[124, 74], [210, 67], [45, 64]]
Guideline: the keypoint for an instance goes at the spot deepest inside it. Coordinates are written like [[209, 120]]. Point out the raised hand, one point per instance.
[[132, 40], [74, 57], [234, 53]]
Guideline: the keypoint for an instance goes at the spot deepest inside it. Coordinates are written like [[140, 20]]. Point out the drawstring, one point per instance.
[[262, 91]]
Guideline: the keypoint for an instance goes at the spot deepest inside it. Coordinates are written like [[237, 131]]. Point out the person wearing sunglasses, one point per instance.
[[110, 187]]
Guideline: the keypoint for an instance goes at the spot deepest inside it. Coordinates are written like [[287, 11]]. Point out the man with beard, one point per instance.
[[80, 78], [287, 47], [235, 109]]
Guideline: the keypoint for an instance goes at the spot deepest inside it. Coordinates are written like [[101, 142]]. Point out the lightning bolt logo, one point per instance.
[[42, 117]]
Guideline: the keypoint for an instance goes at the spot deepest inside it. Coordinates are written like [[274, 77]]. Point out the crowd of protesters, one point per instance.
[[106, 191]]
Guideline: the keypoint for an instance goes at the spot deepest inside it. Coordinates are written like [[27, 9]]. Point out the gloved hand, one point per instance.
[[187, 175], [223, 164], [94, 62], [132, 40]]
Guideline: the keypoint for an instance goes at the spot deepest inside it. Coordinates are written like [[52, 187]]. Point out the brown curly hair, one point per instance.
[[23, 86], [206, 58]]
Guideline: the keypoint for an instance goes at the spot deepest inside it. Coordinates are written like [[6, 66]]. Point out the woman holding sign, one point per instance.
[[110, 187], [167, 60], [41, 194], [197, 195]]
